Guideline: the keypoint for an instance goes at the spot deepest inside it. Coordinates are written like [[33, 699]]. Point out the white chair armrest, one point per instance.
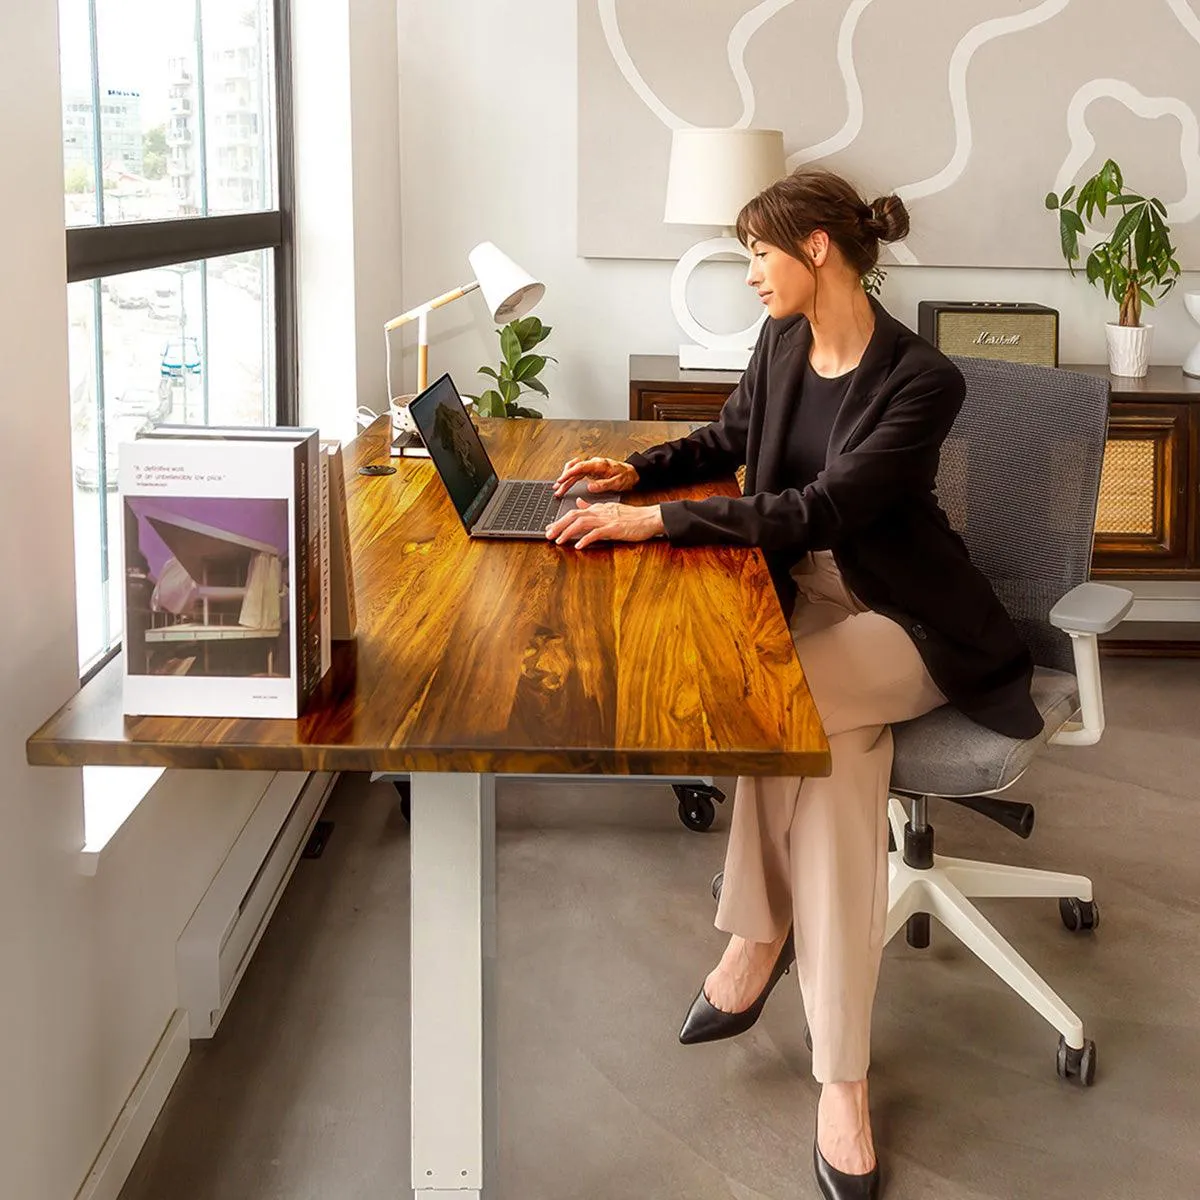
[[1091, 608], [1084, 612]]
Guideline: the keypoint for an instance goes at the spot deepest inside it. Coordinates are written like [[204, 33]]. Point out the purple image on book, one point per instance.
[[259, 520], [207, 586]]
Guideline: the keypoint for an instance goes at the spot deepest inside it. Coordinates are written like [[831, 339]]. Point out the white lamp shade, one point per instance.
[[509, 291], [714, 172]]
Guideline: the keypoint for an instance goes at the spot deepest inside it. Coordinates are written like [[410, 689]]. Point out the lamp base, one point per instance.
[[407, 443], [714, 358]]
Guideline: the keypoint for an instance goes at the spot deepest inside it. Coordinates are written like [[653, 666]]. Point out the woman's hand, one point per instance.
[[605, 475], [606, 523]]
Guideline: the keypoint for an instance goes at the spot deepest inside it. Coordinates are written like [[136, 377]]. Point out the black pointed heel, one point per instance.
[[707, 1023], [837, 1185]]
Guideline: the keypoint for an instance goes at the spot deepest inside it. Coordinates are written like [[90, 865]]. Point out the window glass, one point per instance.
[[186, 344], [186, 109]]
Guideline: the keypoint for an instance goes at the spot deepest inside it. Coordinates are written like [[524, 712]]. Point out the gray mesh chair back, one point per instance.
[[1019, 480]]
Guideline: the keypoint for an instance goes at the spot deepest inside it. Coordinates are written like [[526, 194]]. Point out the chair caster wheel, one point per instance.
[[1079, 916], [697, 809], [717, 881], [1077, 1064], [404, 788]]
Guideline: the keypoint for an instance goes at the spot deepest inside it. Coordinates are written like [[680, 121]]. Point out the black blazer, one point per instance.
[[873, 505]]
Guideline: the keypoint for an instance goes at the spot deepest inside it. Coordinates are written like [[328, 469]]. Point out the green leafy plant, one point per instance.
[[519, 370], [872, 281], [1138, 255]]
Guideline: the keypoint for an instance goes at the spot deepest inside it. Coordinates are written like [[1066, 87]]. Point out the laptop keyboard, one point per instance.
[[525, 506]]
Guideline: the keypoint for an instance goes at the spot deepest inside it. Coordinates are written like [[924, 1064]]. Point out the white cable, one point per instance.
[[387, 341]]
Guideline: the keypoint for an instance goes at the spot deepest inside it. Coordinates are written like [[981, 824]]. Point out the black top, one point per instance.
[[873, 505], [820, 400]]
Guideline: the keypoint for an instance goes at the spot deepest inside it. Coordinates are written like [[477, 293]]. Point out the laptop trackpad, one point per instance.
[[579, 491]]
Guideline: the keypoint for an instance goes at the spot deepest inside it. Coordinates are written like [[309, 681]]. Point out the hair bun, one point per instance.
[[889, 219]]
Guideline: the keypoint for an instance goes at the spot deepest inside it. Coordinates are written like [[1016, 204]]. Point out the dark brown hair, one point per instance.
[[790, 209]]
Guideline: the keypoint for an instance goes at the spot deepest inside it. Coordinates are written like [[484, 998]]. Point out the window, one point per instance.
[[177, 196]]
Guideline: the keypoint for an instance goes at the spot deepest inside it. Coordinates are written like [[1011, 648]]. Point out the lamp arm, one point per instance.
[[429, 305]]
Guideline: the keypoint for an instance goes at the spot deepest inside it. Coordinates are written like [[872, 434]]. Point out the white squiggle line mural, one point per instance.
[[749, 24], [1083, 144], [1187, 18], [960, 61], [607, 10], [854, 100]]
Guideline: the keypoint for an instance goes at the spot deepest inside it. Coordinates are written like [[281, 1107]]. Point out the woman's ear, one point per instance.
[[818, 247]]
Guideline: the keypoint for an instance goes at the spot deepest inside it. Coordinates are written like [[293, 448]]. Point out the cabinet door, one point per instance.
[[1142, 517]]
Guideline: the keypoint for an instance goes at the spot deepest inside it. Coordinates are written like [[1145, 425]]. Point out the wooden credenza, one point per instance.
[[1148, 520]]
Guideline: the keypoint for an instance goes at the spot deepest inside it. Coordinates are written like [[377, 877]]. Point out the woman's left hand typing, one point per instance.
[[606, 523]]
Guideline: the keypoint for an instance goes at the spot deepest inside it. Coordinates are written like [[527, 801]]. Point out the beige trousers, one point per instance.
[[812, 851]]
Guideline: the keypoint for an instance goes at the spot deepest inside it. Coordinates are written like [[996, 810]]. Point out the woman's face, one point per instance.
[[784, 284]]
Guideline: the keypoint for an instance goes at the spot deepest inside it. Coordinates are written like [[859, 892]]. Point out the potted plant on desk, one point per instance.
[[519, 370], [1137, 257]]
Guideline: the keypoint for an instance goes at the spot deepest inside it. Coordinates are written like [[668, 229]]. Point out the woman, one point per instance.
[[838, 419]]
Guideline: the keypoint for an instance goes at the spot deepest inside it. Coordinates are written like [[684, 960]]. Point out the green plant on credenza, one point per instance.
[[1138, 254], [519, 370]]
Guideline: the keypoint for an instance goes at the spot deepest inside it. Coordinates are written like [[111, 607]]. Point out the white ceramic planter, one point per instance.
[[1191, 364], [1128, 348]]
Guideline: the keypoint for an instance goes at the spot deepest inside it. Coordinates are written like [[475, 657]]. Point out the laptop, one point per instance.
[[488, 506]]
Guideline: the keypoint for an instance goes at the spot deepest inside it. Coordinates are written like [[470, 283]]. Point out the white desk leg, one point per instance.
[[454, 1082]]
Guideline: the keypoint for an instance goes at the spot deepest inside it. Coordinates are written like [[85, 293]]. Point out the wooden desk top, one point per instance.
[[509, 657]]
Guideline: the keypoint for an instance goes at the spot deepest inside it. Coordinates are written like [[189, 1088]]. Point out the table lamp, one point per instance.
[[510, 293], [713, 172]]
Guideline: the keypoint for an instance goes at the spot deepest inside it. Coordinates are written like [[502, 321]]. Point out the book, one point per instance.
[[343, 615], [326, 645], [309, 656], [216, 551]]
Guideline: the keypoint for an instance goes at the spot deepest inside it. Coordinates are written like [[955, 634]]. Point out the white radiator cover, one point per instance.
[[218, 942]]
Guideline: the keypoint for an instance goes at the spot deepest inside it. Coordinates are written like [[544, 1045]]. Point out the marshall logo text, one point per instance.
[[998, 339]]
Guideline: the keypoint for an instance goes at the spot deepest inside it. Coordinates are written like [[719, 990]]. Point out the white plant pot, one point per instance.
[[1191, 364], [1128, 348]]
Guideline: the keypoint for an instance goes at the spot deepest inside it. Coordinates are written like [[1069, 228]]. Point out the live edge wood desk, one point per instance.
[[478, 658]]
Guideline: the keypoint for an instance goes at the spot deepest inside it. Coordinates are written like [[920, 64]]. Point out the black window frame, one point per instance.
[[99, 251]]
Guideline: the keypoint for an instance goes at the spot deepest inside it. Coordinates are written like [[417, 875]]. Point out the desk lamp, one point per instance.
[[510, 293], [713, 172]]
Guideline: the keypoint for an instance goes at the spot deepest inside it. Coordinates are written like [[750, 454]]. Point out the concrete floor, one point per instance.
[[605, 934]]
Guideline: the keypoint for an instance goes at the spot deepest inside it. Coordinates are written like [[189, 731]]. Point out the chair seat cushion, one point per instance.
[[946, 754]]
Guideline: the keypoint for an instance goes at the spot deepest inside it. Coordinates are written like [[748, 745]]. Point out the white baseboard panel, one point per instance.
[[138, 1114], [219, 940]]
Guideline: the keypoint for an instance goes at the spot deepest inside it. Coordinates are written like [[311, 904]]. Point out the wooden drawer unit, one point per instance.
[[660, 391], [1142, 518], [1148, 521], [1149, 512]]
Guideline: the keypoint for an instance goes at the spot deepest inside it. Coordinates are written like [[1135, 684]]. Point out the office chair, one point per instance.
[[1019, 479]]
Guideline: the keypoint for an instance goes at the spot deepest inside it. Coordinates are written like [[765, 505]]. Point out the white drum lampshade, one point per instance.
[[713, 172]]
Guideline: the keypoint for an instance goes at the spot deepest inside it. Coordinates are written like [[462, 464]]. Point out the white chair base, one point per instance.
[[945, 891]]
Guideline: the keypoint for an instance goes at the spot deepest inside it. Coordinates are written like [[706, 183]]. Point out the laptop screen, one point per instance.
[[455, 448]]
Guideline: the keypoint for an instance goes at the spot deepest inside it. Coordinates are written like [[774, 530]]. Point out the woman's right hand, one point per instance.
[[603, 475]]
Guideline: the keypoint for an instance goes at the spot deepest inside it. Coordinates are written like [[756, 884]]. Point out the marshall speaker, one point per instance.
[[1024, 333]]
